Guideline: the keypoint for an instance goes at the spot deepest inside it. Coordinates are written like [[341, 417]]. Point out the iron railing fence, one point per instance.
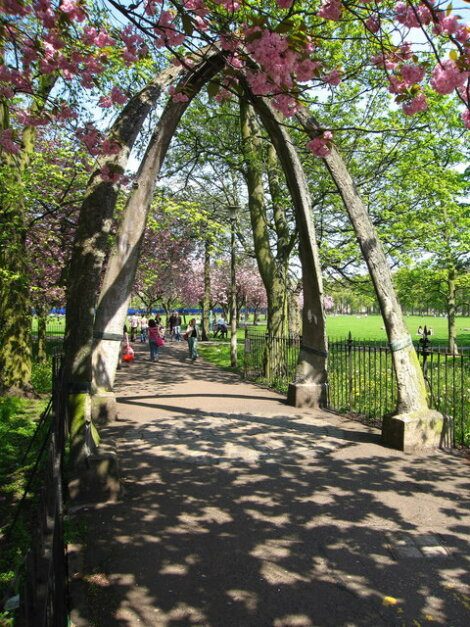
[[361, 379], [54, 327], [42, 598]]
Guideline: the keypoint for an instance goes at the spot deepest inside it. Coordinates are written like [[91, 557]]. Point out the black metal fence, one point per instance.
[[361, 378], [42, 598]]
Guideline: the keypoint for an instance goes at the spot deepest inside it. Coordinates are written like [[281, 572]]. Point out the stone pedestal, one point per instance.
[[307, 395], [415, 432], [97, 478], [103, 407]]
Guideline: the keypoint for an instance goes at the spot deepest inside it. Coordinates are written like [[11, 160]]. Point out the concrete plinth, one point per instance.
[[97, 478], [307, 395], [103, 407], [415, 432]]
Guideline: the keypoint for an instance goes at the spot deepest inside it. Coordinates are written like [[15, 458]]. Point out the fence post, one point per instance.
[[267, 358], [350, 372], [245, 353]]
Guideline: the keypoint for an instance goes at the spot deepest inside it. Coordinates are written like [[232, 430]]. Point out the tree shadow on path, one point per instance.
[[244, 519]]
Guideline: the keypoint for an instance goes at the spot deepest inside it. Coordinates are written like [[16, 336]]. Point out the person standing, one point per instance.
[[171, 324], [144, 326], [155, 339], [177, 327], [192, 335], [134, 326]]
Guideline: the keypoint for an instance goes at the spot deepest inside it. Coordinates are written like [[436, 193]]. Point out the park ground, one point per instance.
[[236, 509], [361, 327]]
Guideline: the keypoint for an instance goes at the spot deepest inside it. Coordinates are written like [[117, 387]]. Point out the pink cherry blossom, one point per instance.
[[98, 38], [30, 120], [259, 83], [466, 118], [285, 4], [223, 95], [447, 24], [91, 138], [372, 24], [447, 76], [7, 142], [412, 73], [178, 96], [462, 34], [306, 70], [319, 146], [418, 103], [333, 77], [396, 85], [229, 43], [65, 112], [406, 15], [13, 7], [110, 175], [73, 9], [230, 5], [331, 10], [286, 104], [166, 31], [118, 96], [110, 147]]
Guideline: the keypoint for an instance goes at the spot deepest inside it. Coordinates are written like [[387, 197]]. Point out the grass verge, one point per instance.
[[18, 420], [219, 355]]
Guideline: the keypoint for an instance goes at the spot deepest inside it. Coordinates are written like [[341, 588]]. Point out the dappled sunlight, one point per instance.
[[270, 517]]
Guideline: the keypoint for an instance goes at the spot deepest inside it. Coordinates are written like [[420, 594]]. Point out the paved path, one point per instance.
[[239, 510]]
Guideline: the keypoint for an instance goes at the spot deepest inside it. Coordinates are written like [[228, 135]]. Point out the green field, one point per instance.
[[371, 328], [338, 327]]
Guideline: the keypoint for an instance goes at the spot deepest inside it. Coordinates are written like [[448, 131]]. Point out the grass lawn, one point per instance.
[[372, 328], [18, 418], [218, 353], [338, 327]]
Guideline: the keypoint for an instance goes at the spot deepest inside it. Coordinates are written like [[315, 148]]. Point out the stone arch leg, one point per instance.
[[91, 241], [309, 389], [120, 273], [414, 427]]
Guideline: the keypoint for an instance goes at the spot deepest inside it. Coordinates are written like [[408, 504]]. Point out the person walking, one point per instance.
[[192, 335], [155, 339]]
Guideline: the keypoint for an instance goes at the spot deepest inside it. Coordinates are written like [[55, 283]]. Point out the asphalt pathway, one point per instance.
[[238, 510]]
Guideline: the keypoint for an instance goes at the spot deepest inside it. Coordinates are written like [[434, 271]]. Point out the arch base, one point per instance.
[[103, 407], [416, 432], [312, 395]]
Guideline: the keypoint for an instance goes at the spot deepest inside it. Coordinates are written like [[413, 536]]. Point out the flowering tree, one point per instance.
[[169, 243], [278, 50]]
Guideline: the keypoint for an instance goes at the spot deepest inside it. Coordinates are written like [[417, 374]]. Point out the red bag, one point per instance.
[[159, 341], [128, 353]]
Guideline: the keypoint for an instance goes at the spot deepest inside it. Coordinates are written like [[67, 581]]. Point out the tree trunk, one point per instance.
[[15, 302], [272, 271], [122, 265], [206, 301], [309, 387], [41, 313], [451, 325]]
